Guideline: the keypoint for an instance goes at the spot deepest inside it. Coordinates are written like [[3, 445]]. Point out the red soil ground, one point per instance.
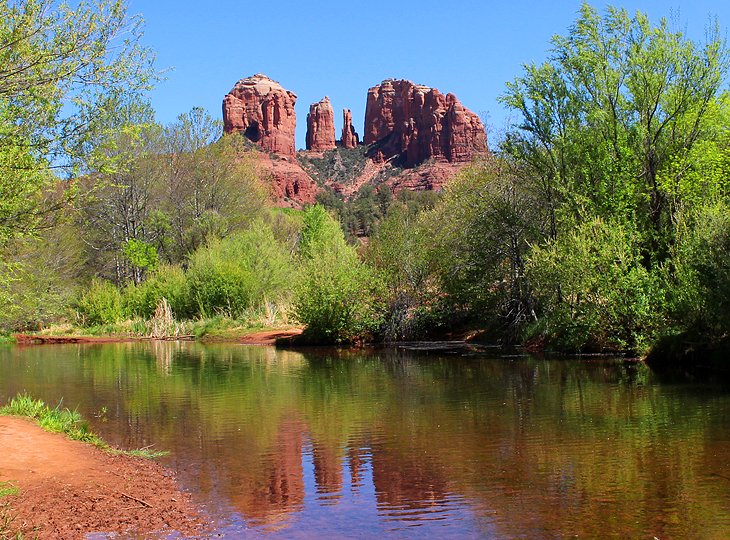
[[270, 337], [69, 489]]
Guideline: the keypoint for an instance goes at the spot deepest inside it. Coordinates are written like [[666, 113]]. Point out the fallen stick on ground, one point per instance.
[[136, 499]]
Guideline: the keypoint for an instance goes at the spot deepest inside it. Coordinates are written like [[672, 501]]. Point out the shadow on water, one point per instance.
[[404, 441]]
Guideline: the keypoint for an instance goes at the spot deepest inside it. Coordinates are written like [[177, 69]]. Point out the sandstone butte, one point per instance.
[[321, 126], [429, 134], [263, 111]]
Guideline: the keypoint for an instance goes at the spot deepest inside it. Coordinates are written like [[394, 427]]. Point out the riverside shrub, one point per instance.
[[337, 297], [228, 276], [167, 282], [701, 295], [593, 292], [100, 304]]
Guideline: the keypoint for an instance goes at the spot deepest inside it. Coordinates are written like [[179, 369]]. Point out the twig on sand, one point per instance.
[[148, 505]]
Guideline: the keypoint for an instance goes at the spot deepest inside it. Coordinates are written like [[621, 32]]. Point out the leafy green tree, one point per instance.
[[480, 235], [122, 202], [208, 186], [617, 102], [46, 275], [59, 62], [399, 251], [141, 256]]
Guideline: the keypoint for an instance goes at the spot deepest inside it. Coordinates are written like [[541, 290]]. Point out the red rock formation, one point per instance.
[[289, 184], [264, 112], [350, 138], [321, 126], [418, 123]]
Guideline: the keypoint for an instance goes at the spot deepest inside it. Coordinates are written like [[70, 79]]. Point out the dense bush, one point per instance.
[[593, 292], [239, 272], [337, 296], [399, 251], [167, 282], [701, 293], [101, 303]]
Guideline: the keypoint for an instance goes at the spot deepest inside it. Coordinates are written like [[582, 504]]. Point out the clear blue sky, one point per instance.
[[342, 48]]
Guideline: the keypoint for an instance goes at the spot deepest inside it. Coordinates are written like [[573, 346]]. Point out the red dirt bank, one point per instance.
[[69, 489]]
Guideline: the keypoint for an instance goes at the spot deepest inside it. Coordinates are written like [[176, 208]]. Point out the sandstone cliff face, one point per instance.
[[321, 126], [416, 123], [350, 138], [263, 111]]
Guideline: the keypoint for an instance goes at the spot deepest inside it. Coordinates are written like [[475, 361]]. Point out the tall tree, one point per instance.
[[59, 63], [617, 102]]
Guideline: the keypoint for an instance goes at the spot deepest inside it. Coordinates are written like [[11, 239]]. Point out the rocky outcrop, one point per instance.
[[407, 125], [321, 126], [289, 184], [414, 123], [350, 138], [263, 111]]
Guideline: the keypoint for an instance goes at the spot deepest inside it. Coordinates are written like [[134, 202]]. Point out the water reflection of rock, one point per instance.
[[403, 482], [269, 493], [327, 472], [356, 465], [532, 449]]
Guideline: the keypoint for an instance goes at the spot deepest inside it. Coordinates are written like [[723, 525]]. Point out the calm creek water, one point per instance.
[[392, 443]]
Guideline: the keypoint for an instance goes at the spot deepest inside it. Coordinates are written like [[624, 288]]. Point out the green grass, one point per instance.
[[6, 488], [68, 422], [6, 338]]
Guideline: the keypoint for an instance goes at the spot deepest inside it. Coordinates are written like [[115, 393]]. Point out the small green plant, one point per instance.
[[6, 489]]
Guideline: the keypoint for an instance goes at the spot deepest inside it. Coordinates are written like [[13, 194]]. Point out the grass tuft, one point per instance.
[[68, 422], [6, 489]]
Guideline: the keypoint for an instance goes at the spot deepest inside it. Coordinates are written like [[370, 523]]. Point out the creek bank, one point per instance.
[[262, 337], [69, 489], [690, 356]]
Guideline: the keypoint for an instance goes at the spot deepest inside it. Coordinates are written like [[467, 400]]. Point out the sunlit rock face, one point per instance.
[[350, 138], [321, 126], [263, 111], [416, 123]]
